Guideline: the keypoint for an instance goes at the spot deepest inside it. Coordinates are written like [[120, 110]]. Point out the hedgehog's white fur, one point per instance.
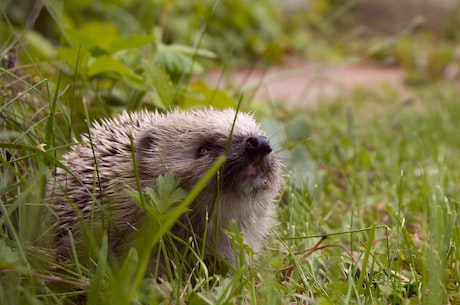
[[163, 142]]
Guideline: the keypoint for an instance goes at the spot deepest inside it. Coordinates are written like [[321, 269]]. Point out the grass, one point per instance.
[[378, 225], [390, 170], [374, 221]]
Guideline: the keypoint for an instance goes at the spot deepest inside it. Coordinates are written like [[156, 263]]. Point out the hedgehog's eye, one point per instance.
[[202, 151], [208, 148]]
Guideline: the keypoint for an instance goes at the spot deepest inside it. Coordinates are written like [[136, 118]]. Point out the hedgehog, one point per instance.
[[134, 149]]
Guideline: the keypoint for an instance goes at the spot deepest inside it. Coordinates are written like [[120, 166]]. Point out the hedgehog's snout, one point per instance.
[[258, 146]]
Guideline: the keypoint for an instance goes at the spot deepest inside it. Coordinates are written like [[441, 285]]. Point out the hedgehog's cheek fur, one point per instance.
[[154, 159]]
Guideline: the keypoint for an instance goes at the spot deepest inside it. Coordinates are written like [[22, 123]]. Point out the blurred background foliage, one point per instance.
[[132, 53], [243, 33]]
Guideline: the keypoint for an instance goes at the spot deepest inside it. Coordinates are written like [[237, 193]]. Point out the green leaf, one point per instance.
[[151, 234], [167, 194], [275, 130], [201, 94], [102, 270], [176, 62], [134, 41], [74, 57], [8, 257], [124, 290], [298, 129], [106, 64], [39, 45], [303, 168], [79, 40], [160, 80], [102, 34]]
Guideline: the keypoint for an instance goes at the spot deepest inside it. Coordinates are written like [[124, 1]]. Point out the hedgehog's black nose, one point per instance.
[[258, 145]]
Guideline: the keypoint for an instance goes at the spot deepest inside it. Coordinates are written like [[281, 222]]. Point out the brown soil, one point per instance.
[[304, 84]]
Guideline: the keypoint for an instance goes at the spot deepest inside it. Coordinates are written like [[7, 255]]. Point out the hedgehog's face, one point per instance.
[[251, 167]]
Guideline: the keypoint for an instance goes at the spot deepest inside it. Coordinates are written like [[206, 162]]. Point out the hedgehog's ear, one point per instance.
[[145, 146], [146, 142]]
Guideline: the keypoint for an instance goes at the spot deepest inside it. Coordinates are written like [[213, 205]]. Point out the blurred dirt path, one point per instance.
[[302, 84]]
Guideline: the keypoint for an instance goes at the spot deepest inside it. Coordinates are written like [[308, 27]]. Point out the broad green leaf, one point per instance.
[[200, 94], [134, 41], [157, 77], [74, 57], [303, 168], [176, 62], [79, 40], [101, 33], [106, 64], [298, 129]]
